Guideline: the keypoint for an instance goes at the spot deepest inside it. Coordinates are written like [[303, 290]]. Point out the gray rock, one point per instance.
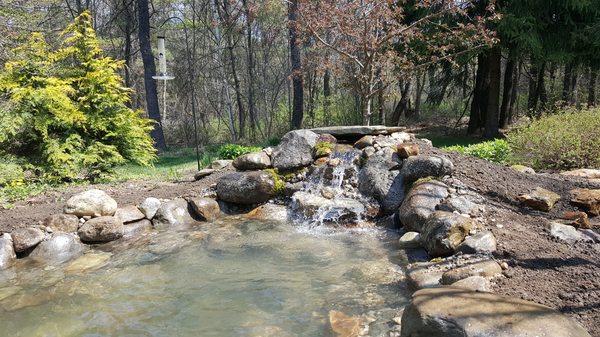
[[444, 231], [67, 223], [458, 204], [295, 150], [7, 252], [410, 240], [149, 207], [246, 188], [206, 208], [134, 229], [220, 164], [129, 214], [401, 137], [204, 173], [475, 283], [417, 167], [455, 312], [420, 202], [566, 233], [252, 161], [376, 180], [25, 238], [488, 268], [175, 213], [61, 247], [480, 243], [91, 202], [101, 229]]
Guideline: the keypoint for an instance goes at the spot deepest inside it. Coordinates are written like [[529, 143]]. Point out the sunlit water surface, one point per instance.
[[232, 278]]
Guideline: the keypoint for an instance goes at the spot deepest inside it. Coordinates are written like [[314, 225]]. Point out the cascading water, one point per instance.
[[329, 195]]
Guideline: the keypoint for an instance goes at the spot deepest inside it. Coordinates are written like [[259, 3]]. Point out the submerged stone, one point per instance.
[[59, 248]]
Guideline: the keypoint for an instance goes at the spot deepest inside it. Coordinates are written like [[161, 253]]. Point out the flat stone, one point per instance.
[[88, 262], [475, 283], [408, 150], [59, 248], [577, 219], [566, 233], [133, 229], [67, 223], [583, 173], [204, 173], [480, 243], [7, 252], [206, 208], [487, 268], [354, 132], [92, 203], [149, 207], [220, 164], [344, 325], [539, 199], [417, 167], [420, 202], [252, 161], [129, 214], [410, 240], [25, 238], [444, 231], [102, 229], [587, 199], [455, 312]]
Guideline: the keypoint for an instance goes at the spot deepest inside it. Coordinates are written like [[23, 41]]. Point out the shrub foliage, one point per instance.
[[566, 140], [64, 110], [232, 151], [497, 150]]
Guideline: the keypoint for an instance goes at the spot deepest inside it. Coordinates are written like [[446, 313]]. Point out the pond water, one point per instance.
[[231, 278]]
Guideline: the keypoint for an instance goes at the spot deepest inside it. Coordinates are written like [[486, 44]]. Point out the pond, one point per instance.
[[234, 277]]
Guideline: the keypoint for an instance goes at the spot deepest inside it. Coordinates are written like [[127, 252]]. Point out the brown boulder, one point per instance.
[[101, 229], [25, 238], [444, 232], [208, 209], [577, 219], [587, 199], [67, 223], [408, 150]]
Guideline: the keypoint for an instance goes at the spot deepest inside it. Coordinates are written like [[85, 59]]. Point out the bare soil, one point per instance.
[[543, 270]]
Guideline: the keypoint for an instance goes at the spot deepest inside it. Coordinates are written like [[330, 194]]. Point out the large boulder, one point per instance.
[[59, 248], [417, 167], [376, 180], [246, 187], [587, 199], [67, 223], [206, 208], [420, 202], [539, 199], [91, 203], [25, 238], [295, 150], [252, 161], [101, 229], [174, 213], [444, 231], [456, 312], [7, 252]]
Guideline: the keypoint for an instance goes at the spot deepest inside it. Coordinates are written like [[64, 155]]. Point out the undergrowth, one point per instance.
[[497, 150]]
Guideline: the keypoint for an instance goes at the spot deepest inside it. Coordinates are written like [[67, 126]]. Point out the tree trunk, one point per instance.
[[514, 94], [419, 96], [327, 97], [533, 95], [479, 103], [493, 107], [296, 60], [149, 71], [541, 89], [567, 78], [250, 61], [509, 72], [592, 87]]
